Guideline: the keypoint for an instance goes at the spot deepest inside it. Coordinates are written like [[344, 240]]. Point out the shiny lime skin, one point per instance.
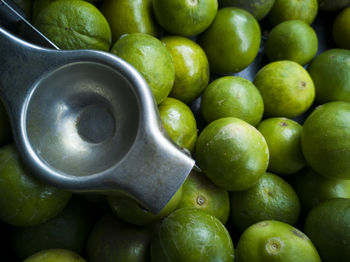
[[151, 58], [282, 136], [55, 255], [179, 122], [191, 68], [113, 240], [258, 8], [68, 230], [200, 192], [232, 153], [185, 17], [325, 140], [333, 5], [330, 73], [275, 241], [25, 200], [283, 10], [234, 34], [191, 235], [131, 212], [271, 198], [328, 226], [129, 16], [232, 96], [312, 188], [292, 40], [286, 88]]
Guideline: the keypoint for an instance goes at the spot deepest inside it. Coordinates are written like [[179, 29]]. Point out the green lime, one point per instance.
[[341, 29], [26, 201], [191, 235], [258, 8], [232, 96], [282, 136], [113, 240], [185, 17], [129, 16], [325, 140], [271, 198], [132, 212], [312, 188], [74, 24], [283, 10], [330, 71], [68, 230], [191, 68], [200, 192], [328, 226], [232, 153], [151, 58], [179, 122], [333, 5], [234, 34], [292, 40], [275, 241], [55, 255], [286, 88]]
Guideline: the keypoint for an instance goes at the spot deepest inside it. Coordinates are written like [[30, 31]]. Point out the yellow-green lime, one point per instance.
[[185, 17], [325, 140], [55, 255], [292, 40], [129, 16], [275, 241], [74, 24], [271, 198], [191, 68], [232, 153], [232, 41], [286, 88], [232, 96], [282, 136], [199, 192], [179, 122], [151, 58], [341, 29]]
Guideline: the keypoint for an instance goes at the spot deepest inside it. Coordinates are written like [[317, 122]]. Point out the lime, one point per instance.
[[132, 212], [283, 10], [179, 122], [325, 140], [129, 16], [282, 136], [185, 17], [200, 192], [292, 40], [312, 188], [275, 241], [191, 235], [55, 255], [191, 68], [271, 198], [341, 29], [232, 153], [330, 73], [328, 226], [234, 34], [113, 240], [151, 58], [74, 24], [68, 230], [333, 5], [258, 8], [232, 96], [286, 88], [26, 201]]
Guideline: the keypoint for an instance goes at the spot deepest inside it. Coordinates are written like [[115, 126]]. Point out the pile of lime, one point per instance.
[[257, 91]]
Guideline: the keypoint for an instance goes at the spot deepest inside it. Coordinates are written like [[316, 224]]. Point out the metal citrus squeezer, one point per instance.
[[86, 121]]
